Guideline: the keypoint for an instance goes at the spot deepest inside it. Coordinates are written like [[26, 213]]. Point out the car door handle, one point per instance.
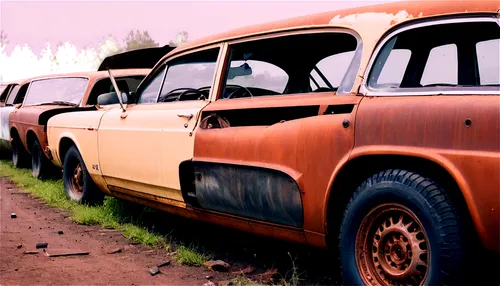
[[188, 116]]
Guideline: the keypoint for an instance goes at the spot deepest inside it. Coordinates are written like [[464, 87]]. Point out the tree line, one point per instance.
[[67, 57]]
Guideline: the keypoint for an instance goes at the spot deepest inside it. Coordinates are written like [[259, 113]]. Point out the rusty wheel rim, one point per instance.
[[77, 181], [392, 247]]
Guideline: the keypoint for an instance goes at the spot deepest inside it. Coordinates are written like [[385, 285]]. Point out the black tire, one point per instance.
[[387, 208], [20, 158], [78, 184], [40, 165]]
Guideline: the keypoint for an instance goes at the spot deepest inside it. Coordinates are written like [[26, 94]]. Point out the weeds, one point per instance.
[[295, 275], [191, 256], [243, 281], [112, 214]]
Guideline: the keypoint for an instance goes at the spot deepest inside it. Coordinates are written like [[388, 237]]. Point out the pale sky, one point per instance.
[[88, 22]]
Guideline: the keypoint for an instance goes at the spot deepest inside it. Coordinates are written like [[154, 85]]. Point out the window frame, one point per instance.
[[57, 77], [164, 63], [352, 71], [367, 90]]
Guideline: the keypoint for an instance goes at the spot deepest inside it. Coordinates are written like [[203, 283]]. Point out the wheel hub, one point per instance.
[[77, 180], [391, 247]]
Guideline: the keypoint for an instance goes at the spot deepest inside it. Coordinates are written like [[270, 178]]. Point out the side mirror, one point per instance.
[[17, 105], [111, 98]]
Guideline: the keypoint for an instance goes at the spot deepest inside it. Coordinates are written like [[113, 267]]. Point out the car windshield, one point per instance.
[[63, 90]]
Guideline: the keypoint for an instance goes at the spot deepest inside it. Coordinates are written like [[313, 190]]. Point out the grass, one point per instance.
[[191, 256], [113, 213], [243, 281]]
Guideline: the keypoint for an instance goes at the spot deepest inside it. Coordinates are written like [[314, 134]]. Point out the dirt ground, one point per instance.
[[36, 222]]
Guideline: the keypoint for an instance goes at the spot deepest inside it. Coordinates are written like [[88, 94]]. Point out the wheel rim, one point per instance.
[[76, 179], [392, 247]]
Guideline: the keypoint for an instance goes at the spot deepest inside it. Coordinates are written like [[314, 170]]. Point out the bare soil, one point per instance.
[[36, 222]]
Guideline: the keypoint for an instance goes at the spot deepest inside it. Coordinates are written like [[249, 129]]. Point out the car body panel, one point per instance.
[[321, 134], [148, 127], [471, 154]]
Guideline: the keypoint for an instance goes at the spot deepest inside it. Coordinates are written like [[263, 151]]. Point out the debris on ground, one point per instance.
[[164, 263], [64, 252], [172, 253], [154, 270], [225, 283], [13, 215], [209, 283], [31, 252], [209, 277], [116, 250], [42, 245], [269, 274], [249, 270], [217, 265], [60, 232], [19, 246]]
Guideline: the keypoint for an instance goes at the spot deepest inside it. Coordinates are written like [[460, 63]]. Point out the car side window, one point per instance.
[[189, 77], [291, 64], [17, 94], [488, 60], [149, 94], [439, 56], [329, 72], [4, 91]]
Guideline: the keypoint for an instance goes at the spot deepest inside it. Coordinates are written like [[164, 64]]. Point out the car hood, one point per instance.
[[135, 59], [42, 113]]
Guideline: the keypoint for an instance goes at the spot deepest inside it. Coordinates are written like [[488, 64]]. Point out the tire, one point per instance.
[[78, 183], [20, 158], [40, 165], [401, 228]]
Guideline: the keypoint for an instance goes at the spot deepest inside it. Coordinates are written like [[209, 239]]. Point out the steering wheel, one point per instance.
[[236, 91], [186, 90]]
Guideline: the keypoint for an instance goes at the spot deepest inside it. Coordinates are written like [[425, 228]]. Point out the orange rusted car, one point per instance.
[[374, 131]]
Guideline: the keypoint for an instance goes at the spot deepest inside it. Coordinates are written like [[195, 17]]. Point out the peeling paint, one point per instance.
[[371, 18]]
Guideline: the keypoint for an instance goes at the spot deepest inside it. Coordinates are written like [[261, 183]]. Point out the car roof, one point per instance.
[[90, 74], [396, 12]]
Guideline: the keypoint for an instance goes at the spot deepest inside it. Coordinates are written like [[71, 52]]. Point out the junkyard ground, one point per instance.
[[37, 222]]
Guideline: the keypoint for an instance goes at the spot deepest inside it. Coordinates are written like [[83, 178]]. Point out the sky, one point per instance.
[[86, 23]]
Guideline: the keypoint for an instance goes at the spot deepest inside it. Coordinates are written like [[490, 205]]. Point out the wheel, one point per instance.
[[20, 157], [78, 184], [39, 163], [401, 228]]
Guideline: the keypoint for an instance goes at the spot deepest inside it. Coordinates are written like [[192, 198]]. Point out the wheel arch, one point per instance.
[[64, 143], [365, 163], [30, 139]]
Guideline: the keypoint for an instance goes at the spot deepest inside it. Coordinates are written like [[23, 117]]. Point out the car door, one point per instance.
[[281, 124], [142, 152]]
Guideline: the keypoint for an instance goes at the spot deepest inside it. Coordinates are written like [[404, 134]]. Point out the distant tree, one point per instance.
[[139, 40], [3, 38], [109, 46], [180, 38]]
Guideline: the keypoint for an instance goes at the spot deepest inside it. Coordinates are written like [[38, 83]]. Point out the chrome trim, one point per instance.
[[480, 90]]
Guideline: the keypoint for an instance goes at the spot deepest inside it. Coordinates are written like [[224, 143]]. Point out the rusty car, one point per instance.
[[373, 131]]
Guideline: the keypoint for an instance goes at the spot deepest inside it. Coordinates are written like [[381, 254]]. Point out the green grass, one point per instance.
[[113, 213], [191, 256], [243, 281]]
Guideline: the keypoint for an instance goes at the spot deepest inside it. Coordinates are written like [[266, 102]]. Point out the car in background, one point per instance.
[[372, 131], [12, 94]]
